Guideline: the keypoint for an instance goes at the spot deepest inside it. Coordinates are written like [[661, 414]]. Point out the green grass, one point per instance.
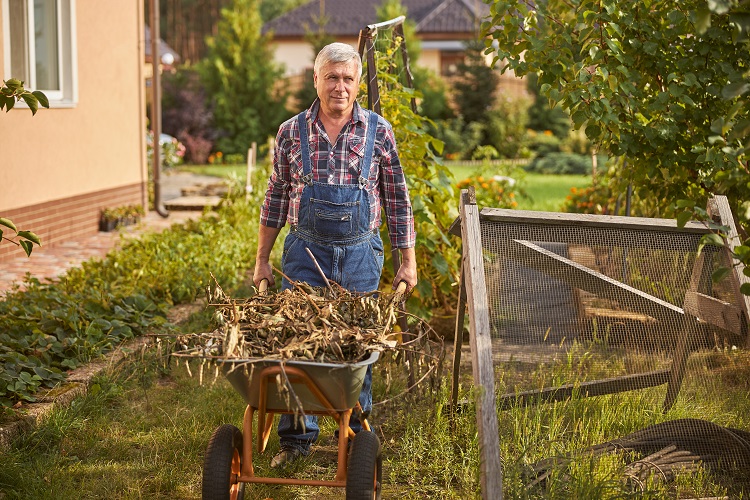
[[541, 192], [142, 430], [239, 170]]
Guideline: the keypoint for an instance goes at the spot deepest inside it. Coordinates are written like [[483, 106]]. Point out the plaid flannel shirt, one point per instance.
[[339, 164]]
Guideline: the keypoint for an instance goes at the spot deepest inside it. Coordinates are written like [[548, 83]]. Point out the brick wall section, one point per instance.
[[70, 218]]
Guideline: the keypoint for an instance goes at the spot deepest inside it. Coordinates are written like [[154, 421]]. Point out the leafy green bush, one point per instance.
[[54, 326], [542, 144], [433, 201], [560, 163], [506, 127]]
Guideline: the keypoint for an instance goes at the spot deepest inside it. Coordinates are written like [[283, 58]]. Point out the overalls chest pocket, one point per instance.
[[334, 220]]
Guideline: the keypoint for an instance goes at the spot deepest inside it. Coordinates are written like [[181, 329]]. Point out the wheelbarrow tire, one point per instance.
[[364, 474], [222, 463]]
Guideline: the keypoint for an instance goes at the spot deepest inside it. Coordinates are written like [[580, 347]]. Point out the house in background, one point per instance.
[[442, 26], [60, 168]]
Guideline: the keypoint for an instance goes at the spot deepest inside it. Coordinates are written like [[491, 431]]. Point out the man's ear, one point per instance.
[[315, 79]]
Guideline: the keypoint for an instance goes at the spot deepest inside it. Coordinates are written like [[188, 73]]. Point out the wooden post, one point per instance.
[[491, 474], [719, 205], [250, 168]]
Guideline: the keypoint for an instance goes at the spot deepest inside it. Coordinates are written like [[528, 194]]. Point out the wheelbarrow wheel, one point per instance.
[[365, 468], [222, 465]]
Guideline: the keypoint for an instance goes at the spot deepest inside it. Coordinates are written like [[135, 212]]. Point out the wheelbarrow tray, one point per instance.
[[340, 383]]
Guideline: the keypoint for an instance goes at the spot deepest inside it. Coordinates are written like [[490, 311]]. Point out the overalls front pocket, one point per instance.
[[334, 220]]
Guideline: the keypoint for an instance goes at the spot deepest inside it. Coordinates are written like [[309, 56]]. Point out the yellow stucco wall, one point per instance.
[[98, 143]]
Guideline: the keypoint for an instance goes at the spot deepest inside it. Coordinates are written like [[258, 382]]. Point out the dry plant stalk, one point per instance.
[[303, 323]]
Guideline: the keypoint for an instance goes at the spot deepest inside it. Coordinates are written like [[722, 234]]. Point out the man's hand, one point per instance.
[[263, 270], [407, 271]]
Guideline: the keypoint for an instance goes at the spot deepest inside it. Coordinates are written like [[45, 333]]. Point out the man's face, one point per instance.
[[337, 85]]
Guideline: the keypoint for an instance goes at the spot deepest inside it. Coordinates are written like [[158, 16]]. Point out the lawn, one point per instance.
[[543, 192]]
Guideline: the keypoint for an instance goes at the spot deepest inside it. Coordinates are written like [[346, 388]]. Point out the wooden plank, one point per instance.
[[586, 389], [679, 363], [715, 312], [720, 205], [578, 276], [491, 474], [591, 220]]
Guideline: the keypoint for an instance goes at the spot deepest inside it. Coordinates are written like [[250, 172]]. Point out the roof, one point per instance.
[[348, 17]]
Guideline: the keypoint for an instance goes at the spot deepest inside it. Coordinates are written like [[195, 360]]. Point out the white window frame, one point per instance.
[[67, 95]]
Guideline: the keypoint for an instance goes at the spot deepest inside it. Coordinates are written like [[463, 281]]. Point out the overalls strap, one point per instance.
[[372, 127], [305, 145]]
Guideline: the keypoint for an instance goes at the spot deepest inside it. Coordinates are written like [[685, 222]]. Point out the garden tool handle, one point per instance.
[[401, 288]]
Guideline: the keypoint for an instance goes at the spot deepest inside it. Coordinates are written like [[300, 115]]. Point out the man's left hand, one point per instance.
[[407, 271]]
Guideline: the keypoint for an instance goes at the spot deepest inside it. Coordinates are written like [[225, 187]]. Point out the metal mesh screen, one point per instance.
[[593, 352]]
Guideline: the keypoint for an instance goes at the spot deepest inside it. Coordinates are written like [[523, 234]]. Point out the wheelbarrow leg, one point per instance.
[[343, 444], [266, 431], [247, 442]]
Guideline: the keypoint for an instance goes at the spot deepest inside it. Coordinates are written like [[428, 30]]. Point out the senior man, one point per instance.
[[335, 166]]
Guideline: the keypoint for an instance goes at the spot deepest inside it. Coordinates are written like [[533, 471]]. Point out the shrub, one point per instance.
[[172, 152], [506, 127], [199, 148], [560, 163], [490, 192], [187, 114], [544, 143], [459, 139]]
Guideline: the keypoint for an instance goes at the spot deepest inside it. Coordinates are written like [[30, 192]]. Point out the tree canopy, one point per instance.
[[656, 83], [242, 78]]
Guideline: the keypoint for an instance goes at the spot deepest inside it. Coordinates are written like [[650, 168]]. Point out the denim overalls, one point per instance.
[[334, 223]]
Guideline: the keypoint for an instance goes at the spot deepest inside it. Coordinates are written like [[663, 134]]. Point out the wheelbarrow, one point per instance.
[[271, 386]]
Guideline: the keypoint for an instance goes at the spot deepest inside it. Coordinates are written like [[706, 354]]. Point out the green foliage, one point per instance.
[[474, 90], [642, 85], [240, 75], [12, 91], [271, 9], [505, 128], [542, 116], [391, 9], [430, 191], [560, 163], [544, 143], [434, 101], [459, 139], [490, 192], [24, 239], [52, 327]]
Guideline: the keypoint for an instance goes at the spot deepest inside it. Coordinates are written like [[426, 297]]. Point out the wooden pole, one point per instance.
[[250, 168], [491, 473]]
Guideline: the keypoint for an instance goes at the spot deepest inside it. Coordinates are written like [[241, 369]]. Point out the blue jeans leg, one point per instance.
[[294, 436]]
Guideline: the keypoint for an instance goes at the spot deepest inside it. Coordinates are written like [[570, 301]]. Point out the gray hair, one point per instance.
[[337, 53]]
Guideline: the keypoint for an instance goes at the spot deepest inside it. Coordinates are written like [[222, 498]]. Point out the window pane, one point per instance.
[[19, 50], [46, 45]]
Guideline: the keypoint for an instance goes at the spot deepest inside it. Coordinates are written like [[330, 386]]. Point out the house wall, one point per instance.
[[62, 166]]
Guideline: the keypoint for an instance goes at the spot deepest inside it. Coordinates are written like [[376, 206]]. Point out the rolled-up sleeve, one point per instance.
[[275, 207], [394, 195]]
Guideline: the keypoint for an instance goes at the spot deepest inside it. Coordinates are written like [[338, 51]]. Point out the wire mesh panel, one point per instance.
[[611, 345]]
